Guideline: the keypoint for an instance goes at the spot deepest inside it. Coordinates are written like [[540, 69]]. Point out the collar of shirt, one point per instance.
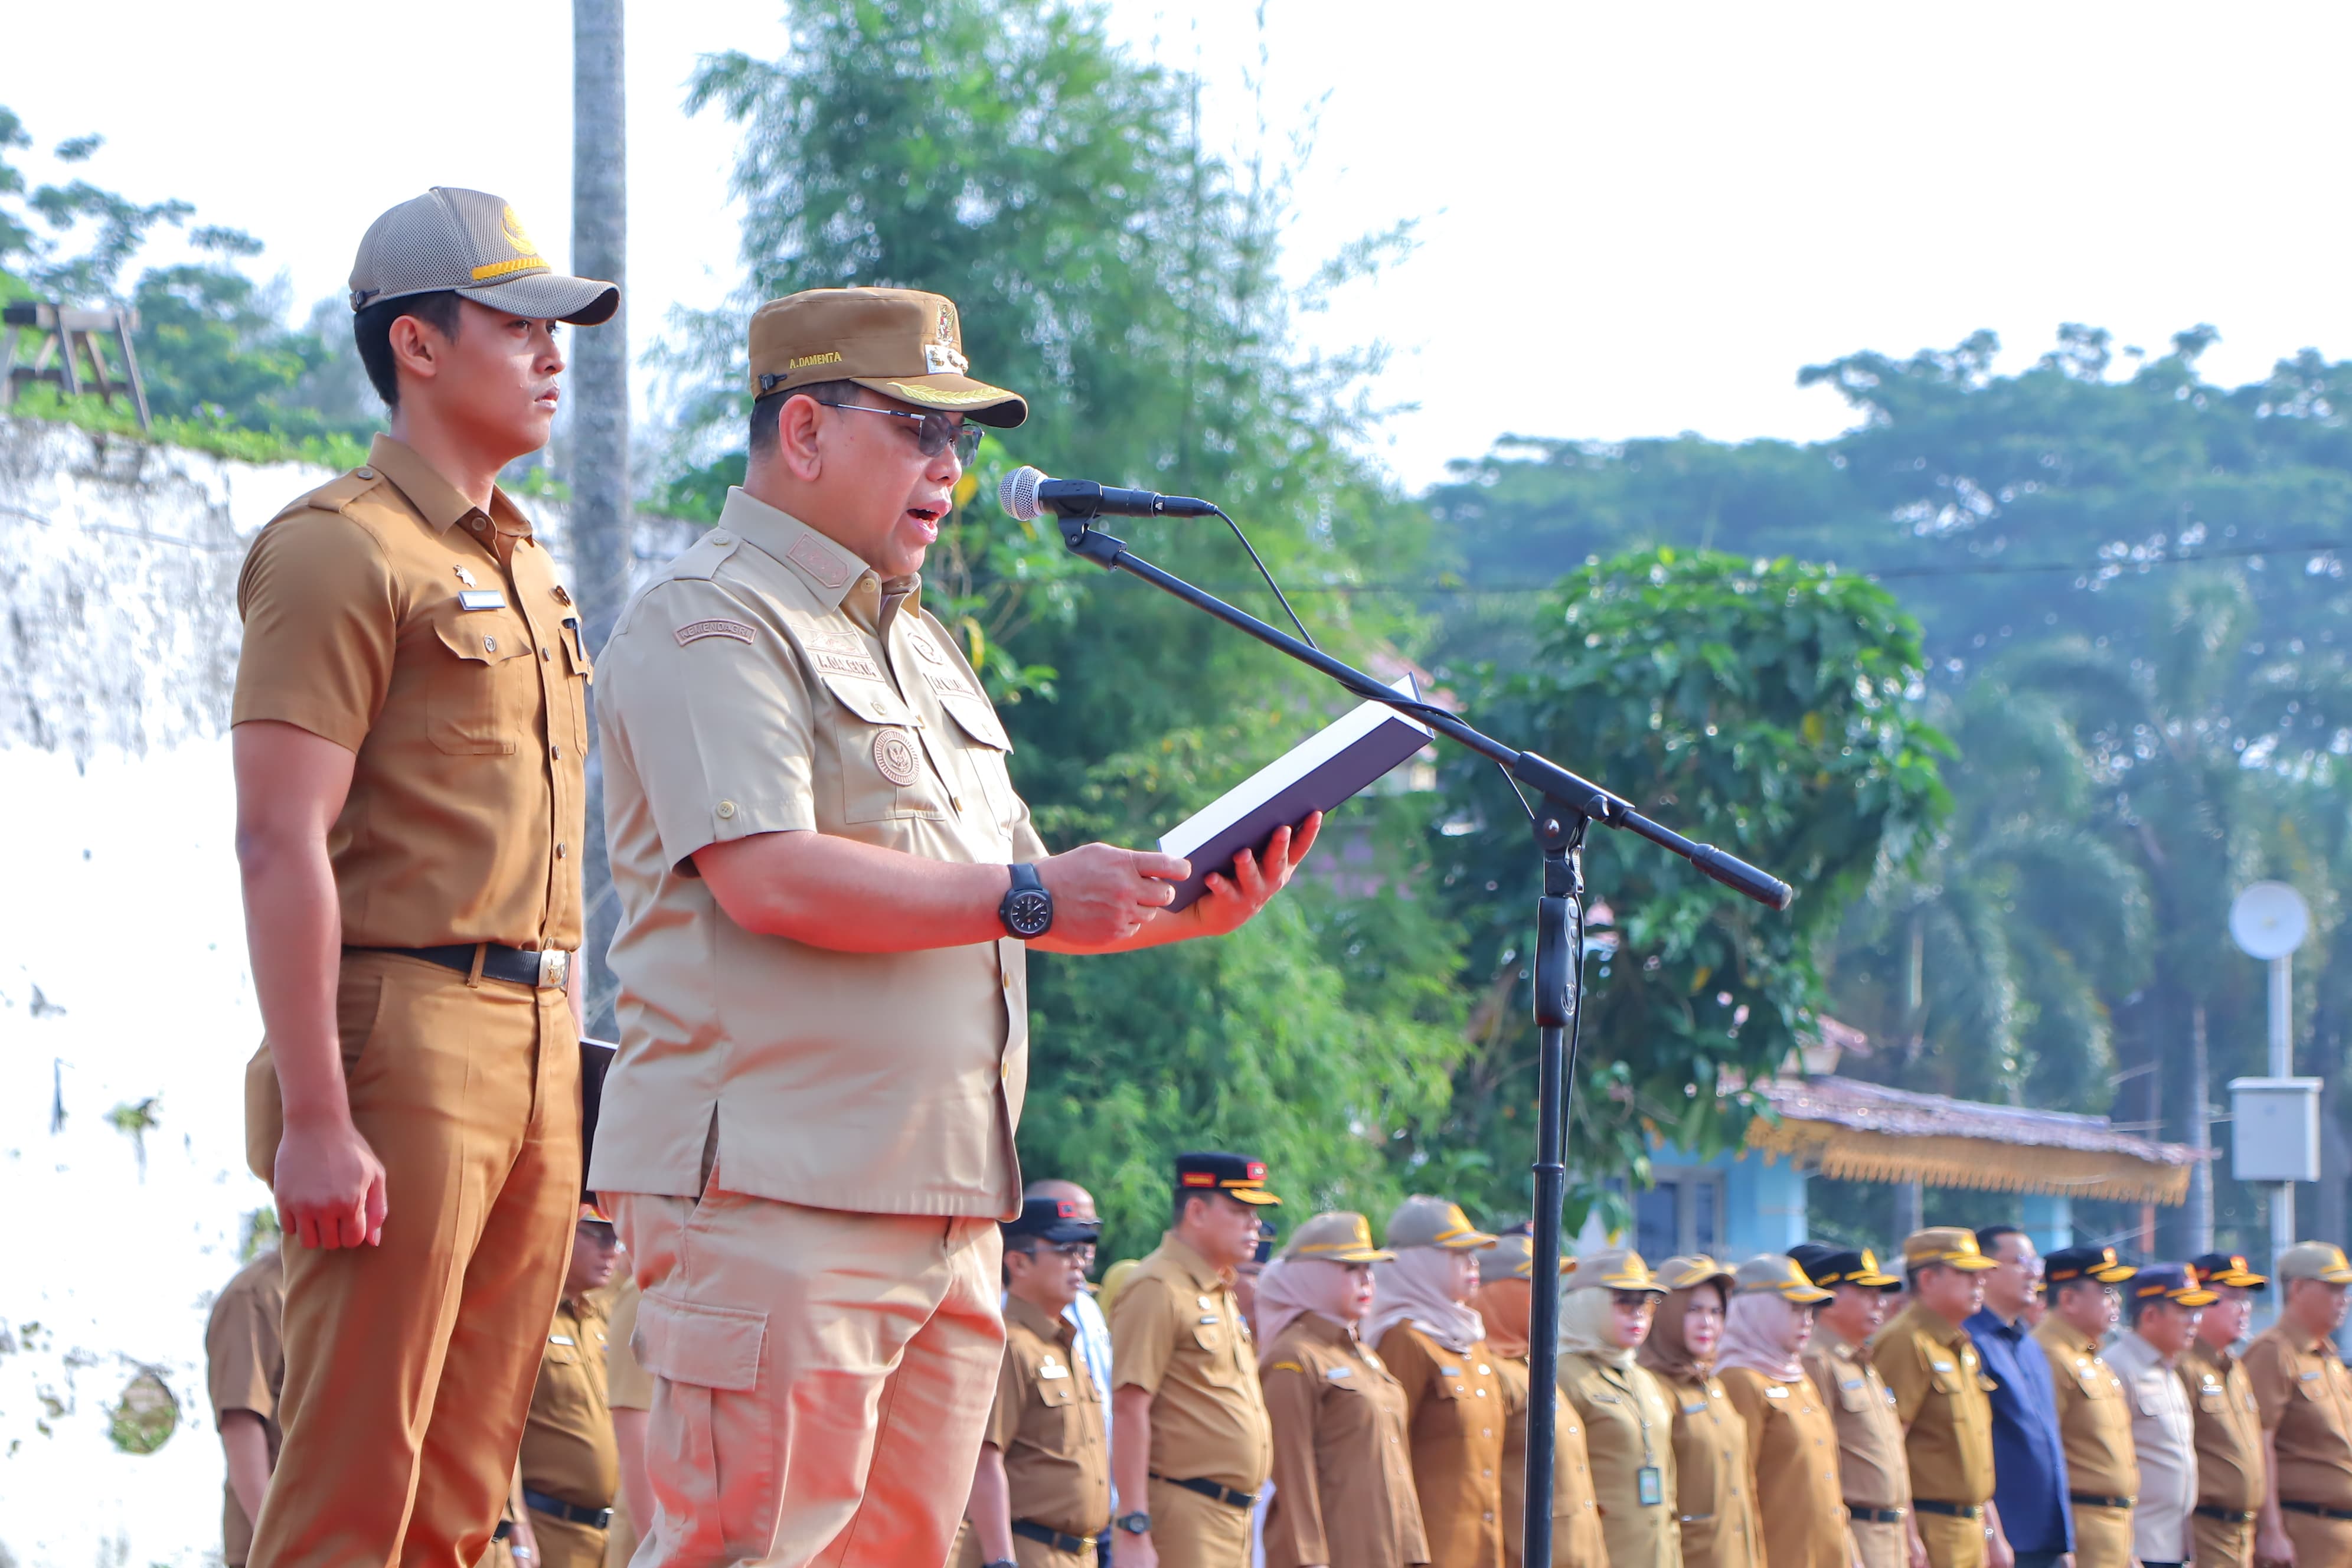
[[1038, 1321], [2131, 1354], [1205, 1275], [2304, 1344], [2064, 1336], [1329, 1329], [435, 498], [1985, 1321], [2200, 1353], [839, 579], [1934, 1325]]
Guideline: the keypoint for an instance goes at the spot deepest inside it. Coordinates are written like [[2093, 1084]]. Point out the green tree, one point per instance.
[[1766, 707]]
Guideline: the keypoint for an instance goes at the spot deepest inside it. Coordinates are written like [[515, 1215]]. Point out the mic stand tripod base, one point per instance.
[[1559, 997]]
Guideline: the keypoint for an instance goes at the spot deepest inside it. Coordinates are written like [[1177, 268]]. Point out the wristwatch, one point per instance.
[[1136, 1523], [1027, 910]]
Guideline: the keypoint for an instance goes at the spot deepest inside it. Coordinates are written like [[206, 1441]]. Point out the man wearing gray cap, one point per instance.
[[409, 724]]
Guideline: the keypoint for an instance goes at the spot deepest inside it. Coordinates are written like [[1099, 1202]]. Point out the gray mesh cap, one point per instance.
[[472, 244]]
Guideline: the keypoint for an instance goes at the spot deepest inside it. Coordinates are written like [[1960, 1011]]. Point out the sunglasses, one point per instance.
[[933, 432]]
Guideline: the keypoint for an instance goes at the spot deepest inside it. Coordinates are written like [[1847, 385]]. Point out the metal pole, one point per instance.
[[1559, 975], [2282, 1022]]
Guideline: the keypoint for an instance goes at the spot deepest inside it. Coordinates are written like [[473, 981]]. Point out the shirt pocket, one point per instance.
[[1060, 1412], [477, 698], [579, 676], [984, 745], [1853, 1394], [884, 775]]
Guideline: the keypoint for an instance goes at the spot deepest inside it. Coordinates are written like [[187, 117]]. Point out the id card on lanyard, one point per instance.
[[1650, 1486]]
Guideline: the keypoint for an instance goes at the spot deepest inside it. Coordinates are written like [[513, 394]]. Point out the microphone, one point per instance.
[[1026, 493]]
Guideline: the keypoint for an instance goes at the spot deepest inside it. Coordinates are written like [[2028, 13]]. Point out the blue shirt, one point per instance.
[[2029, 1463]]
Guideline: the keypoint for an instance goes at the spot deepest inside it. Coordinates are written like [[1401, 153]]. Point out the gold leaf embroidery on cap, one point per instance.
[[894, 758], [516, 236], [695, 631], [938, 394], [500, 269]]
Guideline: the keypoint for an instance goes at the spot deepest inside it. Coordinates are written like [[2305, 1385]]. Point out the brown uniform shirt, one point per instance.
[[768, 681], [1937, 1379], [1714, 1494], [1872, 1469], [385, 613], [2093, 1418], [1343, 1489], [2305, 1395], [2230, 1470], [1628, 1418], [567, 1448], [1177, 1333], [1047, 1422], [245, 1358], [1454, 1402], [627, 1384], [1576, 1540], [1792, 1440]]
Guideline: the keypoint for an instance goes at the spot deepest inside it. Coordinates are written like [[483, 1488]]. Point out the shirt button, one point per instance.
[[479, 525], [555, 751], [364, 473], [726, 809], [543, 653], [561, 851]]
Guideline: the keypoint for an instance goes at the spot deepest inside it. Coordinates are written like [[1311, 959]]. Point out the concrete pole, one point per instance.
[[598, 448], [2282, 1022], [2200, 1139]]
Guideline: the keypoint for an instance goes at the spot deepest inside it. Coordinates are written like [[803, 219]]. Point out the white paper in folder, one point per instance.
[[1319, 773]]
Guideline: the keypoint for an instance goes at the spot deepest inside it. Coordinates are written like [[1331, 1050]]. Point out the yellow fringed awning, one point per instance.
[[1868, 1133]]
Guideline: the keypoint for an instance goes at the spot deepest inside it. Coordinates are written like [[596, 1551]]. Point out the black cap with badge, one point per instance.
[[1829, 1267], [1235, 1175], [1051, 1220]]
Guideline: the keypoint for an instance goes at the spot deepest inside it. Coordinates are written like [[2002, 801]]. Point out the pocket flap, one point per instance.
[[869, 700], [483, 638], [975, 719], [1055, 1394], [709, 1347]]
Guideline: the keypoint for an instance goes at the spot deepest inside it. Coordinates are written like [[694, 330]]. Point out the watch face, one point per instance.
[[1029, 912]]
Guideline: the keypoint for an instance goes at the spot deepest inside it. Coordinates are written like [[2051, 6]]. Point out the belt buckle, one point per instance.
[[554, 969]]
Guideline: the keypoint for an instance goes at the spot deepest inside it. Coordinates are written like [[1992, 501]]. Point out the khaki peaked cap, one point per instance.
[[901, 343], [1341, 1237], [1515, 1258], [1777, 1274], [2315, 1260], [1951, 1245], [1615, 1269], [1422, 1221], [1689, 1270]]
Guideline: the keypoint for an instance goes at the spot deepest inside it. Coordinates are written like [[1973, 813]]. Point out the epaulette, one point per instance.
[[338, 493], [698, 563]]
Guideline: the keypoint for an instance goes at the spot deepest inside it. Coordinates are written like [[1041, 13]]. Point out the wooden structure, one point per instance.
[[68, 338]]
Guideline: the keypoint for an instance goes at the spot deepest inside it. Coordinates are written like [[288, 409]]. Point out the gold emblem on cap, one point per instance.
[[515, 234], [894, 758]]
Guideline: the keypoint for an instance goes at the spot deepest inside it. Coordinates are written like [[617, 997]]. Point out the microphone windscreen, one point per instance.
[[1017, 493]]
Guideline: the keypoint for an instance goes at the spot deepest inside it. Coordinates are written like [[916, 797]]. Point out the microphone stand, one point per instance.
[[1569, 806]]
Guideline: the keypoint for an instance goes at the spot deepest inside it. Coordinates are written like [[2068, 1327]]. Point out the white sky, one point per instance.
[[1637, 219]]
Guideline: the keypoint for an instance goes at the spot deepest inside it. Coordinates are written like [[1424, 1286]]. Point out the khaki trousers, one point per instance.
[[1194, 1532], [2221, 1543], [563, 1544], [2325, 1541], [821, 1379], [1953, 1543], [1879, 1545], [409, 1365], [1028, 1553], [2103, 1537]]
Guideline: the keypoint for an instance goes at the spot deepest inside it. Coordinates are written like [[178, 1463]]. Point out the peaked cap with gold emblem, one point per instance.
[[1341, 1237], [901, 343], [469, 243], [1422, 1221]]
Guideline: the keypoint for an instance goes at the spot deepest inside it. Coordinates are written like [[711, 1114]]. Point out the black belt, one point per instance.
[[1875, 1515], [1949, 1509], [1033, 1530], [1221, 1492], [2084, 1499], [2227, 1515], [556, 1507], [545, 969], [2316, 1510]]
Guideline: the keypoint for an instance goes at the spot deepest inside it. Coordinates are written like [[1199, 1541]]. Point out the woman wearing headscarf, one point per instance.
[[1435, 1345], [1342, 1484], [1505, 1300], [1627, 1419], [1714, 1494], [1790, 1429]]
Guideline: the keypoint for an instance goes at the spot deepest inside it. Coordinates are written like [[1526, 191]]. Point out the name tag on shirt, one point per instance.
[[1052, 1369], [1851, 1383], [1775, 1391], [559, 1338], [481, 599], [1456, 1372], [1697, 1409], [1941, 1365], [1340, 1373]]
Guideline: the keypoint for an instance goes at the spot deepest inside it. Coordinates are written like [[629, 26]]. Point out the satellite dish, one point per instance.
[[2269, 920]]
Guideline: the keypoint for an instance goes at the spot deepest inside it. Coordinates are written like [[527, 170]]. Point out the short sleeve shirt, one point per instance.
[[1343, 1480], [1714, 1487], [2230, 1475], [245, 1358], [2094, 1417], [1937, 1379], [2164, 1440], [1872, 1469], [1453, 1400], [627, 1384], [767, 681], [386, 614], [568, 1448], [1177, 1333], [2305, 1395], [1047, 1422]]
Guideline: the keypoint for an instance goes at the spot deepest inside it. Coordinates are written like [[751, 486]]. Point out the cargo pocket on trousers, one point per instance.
[[712, 1450]]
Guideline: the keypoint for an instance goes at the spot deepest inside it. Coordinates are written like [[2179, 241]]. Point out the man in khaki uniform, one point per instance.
[[570, 1466], [1932, 1368], [828, 885], [1042, 1491], [2094, 1417], [1872, 1469], [409, 725], [244, 1366], [2231, 1479], [1190, 1432], [2305, 1395]]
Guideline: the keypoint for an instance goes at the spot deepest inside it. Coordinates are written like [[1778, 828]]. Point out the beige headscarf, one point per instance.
[[1588, 1326], [1413, 1288], [1758, 1332], [1290, 1287]]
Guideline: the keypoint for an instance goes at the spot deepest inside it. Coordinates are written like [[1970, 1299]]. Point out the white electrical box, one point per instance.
[[2277, 1129]]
